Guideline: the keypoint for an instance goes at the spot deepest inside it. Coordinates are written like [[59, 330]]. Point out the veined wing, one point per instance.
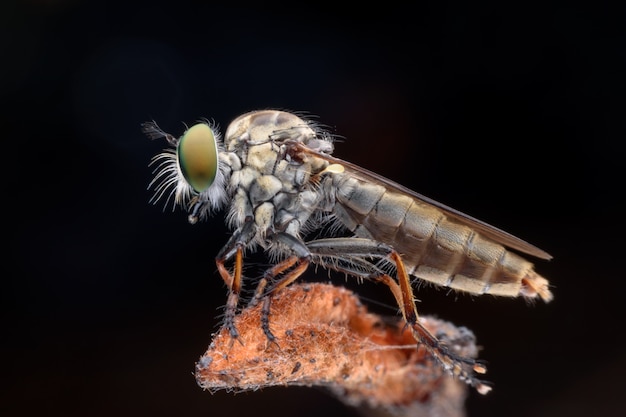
[[486, 230]]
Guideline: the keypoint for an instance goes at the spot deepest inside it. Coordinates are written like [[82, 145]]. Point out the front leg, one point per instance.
[[234, 248]]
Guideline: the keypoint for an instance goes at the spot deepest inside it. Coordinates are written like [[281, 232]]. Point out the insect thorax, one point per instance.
[[268, 183]]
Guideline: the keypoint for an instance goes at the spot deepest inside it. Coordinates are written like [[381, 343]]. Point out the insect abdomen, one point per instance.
[[434, 247]]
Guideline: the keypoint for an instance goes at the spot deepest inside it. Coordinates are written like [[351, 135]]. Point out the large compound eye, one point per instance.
[[197, 156]]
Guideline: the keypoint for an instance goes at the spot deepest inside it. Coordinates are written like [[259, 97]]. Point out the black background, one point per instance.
[[513, 114]]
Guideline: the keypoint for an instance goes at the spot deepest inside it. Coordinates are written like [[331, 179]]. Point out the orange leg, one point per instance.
[[354, 256], [299, 264], [269, 274], [403, 292], [234, 289], [280, 276], [234, 247]]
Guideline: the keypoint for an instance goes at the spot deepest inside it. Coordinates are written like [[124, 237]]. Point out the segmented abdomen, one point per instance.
[[433, 247]]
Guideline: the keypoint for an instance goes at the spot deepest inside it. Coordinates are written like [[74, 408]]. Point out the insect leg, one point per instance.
[[290, 268], [268, 275], [234, 248], [350, 254]]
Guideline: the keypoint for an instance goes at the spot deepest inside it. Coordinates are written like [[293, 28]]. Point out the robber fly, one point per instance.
[[275, 174]]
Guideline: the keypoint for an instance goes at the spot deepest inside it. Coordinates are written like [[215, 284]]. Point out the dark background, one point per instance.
[[513, 114]]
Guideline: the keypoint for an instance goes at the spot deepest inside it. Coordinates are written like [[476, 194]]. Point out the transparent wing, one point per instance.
[[488, 231]]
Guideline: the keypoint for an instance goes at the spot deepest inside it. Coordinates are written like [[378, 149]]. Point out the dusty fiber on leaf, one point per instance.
[[326, 337]]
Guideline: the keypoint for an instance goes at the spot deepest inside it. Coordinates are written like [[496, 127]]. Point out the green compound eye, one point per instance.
[[197, 156]]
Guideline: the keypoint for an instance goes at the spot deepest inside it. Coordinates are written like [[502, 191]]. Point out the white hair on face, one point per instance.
[[169, 182]]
